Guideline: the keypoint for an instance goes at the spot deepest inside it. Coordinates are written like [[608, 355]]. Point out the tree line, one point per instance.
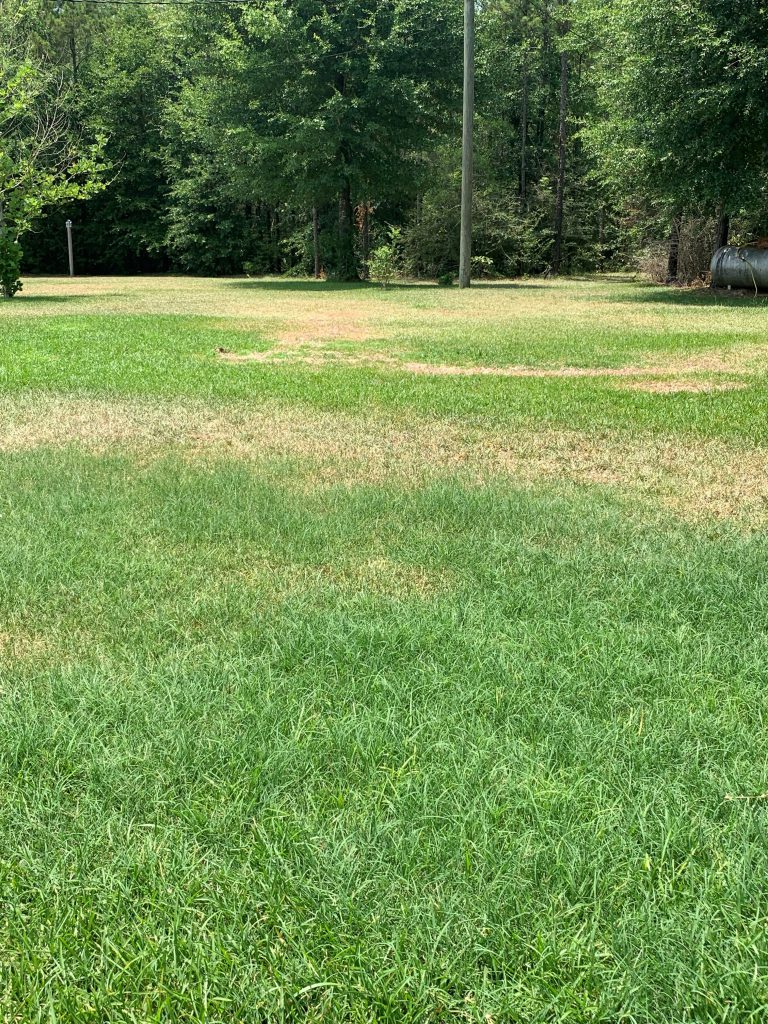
[[298, 136]]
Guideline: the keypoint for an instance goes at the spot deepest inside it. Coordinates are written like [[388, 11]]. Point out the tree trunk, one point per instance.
[[417, 256], [346, 269], [546, 92], [723, 230], [274, 240], [346, 264], [524, 137], [674, 250], [365, 234], [316, 240], [73, 47], [601, 239], [557, 251]]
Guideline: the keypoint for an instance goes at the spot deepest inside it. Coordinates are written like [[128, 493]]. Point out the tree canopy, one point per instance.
[[43, 163], [294, 134]]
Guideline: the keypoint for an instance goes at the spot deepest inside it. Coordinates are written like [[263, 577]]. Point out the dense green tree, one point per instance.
[[290, 135], [43, 162], [680, 120], [319, 104]]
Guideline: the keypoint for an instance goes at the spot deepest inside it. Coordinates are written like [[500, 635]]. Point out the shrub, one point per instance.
[[445, 280], [10, 265], [385, 262], [483, 266]]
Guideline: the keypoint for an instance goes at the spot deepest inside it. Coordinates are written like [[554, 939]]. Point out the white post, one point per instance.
[[465, 257], [71, 251]]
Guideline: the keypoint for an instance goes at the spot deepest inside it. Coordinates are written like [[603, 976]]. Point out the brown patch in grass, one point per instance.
[[21, 645], [733, 359], [278, 302], [695, 478], [375, 575], [725, 361], [677, 387], [318, 329], [309, 328]]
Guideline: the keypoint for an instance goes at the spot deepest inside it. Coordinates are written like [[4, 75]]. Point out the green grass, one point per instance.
[[583, 324], [279, 751]]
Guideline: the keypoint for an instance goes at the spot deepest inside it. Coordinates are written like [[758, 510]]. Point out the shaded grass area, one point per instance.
[[490, 782]]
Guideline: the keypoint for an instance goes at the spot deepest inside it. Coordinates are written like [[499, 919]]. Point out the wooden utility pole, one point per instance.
[[465, 257], [557, 252]]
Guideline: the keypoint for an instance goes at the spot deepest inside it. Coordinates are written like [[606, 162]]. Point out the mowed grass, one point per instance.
[[160, 337], [317, 705]]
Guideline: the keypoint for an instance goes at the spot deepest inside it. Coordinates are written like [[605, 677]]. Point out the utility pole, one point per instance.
[[557, 251], [316, 241], [71, 251], [465, 257], [562, 144]]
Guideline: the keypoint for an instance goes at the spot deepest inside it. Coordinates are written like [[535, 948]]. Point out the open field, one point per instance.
[[382, 656]]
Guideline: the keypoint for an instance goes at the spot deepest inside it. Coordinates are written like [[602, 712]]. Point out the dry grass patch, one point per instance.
[[309, 329], [742, 359], [695, 478], [322, 327], [380, 576], [22, 645], [681, 386], [386, 313]]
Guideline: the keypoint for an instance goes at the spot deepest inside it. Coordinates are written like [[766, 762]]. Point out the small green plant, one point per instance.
[[10, 265], [483, 266], [445, 281], [385, 262]]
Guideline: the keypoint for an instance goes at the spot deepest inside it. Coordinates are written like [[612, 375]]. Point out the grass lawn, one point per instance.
[[383, 656]]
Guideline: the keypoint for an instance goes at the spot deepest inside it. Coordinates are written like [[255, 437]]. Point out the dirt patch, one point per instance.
[[318, 329], [697, 479], [306, 331]]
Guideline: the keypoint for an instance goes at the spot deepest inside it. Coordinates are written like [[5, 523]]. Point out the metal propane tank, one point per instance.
[[740, 266]]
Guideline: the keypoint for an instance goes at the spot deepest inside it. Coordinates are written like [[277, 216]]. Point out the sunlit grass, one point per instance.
[[312, 707]]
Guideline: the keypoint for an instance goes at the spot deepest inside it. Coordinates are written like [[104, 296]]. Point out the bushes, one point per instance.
[[10, 265], [385, 262]]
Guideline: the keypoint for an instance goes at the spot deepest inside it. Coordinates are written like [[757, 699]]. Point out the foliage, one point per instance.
[[225, 126], [320, 105], [42, 163], [681, 116], [10, 265], [385, 262]]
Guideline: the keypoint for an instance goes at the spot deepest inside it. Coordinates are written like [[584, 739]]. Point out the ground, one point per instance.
[[382, 655]]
